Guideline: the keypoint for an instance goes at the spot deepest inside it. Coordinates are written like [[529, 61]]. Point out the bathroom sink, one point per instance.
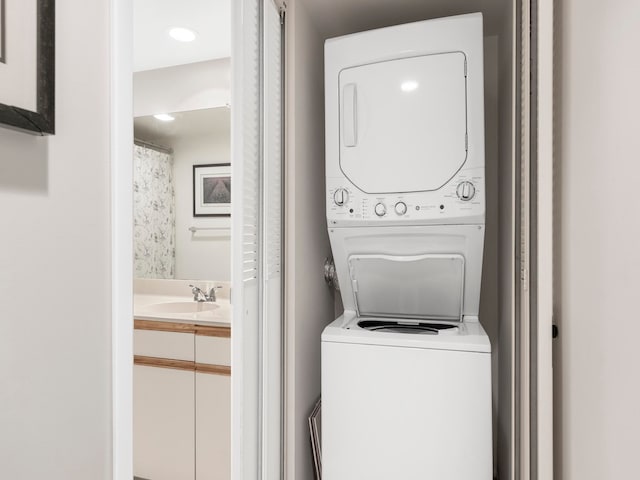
[[181, 307]]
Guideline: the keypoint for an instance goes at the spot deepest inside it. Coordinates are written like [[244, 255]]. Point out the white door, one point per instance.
[[272, 319], [257, 241], [544, 243], [246, 239], [403, 123]]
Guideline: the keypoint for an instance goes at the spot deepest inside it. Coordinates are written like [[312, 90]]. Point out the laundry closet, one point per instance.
[[310, 304]]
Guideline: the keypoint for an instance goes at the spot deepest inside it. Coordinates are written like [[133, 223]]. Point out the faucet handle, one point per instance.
[[212, 292], [198, 294]]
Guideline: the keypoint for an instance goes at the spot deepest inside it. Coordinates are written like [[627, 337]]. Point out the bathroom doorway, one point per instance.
[[182, 212], [192, 156]]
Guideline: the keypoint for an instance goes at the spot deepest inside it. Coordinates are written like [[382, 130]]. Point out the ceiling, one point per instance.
[[154, 48], [210, 121], [211, 19], [340, 17]]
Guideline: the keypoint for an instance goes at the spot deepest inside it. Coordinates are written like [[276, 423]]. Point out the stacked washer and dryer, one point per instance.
[[406, 370]]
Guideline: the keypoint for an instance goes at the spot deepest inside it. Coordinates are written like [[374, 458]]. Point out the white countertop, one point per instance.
[[220, 316]]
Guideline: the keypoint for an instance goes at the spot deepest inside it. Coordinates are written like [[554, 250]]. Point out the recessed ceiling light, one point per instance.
[[164, 117], [182, 34], [409, 86]]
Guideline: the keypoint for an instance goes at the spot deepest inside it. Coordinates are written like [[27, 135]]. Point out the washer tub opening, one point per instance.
[[396, 326]]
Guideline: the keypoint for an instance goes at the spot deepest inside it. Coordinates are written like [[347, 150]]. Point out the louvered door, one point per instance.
[[257, 241], [246, 141], [272, 321]]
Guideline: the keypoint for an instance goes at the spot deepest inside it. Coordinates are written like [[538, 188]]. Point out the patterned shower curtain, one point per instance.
[[154, 213]]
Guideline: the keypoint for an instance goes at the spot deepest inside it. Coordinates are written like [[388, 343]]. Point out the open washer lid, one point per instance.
[[429, 286]]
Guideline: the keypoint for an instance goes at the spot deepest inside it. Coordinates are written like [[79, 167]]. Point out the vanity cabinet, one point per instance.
[[182, 401], [163, 423], [213, 427], [213, 407]]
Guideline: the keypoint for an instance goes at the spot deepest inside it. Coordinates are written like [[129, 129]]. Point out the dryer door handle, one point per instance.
[[350, 115]]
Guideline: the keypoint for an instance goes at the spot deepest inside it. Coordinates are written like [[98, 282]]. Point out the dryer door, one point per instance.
[[403, 123]]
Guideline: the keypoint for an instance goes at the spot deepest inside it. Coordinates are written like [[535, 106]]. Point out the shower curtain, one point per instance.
[[154, 228]]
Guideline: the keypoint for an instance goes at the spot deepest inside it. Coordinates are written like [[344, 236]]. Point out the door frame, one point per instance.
[[542, 425], [121, 171], [121, 141], [534, 373]]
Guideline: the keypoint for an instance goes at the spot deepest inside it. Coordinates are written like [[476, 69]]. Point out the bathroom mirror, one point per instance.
[[172, 240], [181, 98]]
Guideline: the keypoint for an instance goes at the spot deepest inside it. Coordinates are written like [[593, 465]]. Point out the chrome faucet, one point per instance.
[[200, 296]]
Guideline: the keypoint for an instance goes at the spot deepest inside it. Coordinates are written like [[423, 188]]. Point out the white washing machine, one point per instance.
[[406, 371]]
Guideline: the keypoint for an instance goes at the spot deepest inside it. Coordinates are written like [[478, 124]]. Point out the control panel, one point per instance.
[[461, 198]]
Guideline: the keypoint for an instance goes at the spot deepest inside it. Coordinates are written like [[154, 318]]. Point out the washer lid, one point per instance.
[[429, 286], [403, 123]]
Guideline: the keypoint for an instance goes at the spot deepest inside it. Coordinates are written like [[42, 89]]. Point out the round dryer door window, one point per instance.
[[403, 123]]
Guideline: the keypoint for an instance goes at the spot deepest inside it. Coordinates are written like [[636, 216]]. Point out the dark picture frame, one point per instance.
[[42, 121], [3, 31], [212, 190]]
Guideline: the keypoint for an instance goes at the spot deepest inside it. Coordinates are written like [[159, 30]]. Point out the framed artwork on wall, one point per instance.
[[27, 65], [212, 190]]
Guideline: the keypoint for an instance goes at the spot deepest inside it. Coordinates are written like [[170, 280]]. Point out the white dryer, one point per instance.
[[406, 371]]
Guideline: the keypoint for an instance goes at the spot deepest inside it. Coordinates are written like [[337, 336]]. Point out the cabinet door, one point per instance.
[[213, 426], [163, 423]]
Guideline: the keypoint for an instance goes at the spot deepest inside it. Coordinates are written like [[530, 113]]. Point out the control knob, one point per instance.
[[401, 208], [340, 196], [466, 191], [380, 209]]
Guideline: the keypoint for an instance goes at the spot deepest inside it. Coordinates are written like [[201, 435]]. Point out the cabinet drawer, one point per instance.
[[172, 345], [213, 350]]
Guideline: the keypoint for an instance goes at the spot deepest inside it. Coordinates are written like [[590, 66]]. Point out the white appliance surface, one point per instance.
[[426, 286], [406, 406], [465, 241], [404, 109], [466, 337], [420, 102], [406, 371]]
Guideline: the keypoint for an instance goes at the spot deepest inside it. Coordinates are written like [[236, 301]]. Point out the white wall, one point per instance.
[[55, 293], [192, 86], [308, 301], [205, 255], [597, 383], [506, 344], [489, 313]]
